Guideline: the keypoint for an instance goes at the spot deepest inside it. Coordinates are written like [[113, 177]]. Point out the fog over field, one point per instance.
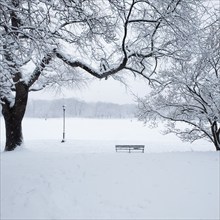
[[78, 108]]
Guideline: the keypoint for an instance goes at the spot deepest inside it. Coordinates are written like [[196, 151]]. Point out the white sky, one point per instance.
[[105, 90], [101, 90]]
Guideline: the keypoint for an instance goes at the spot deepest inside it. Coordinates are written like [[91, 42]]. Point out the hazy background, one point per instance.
[[100, 91]]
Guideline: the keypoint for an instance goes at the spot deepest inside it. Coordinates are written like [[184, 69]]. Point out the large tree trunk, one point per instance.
[[14, 136], [216, 135], [13, 116]]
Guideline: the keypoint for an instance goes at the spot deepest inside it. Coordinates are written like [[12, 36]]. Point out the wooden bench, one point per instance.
[[129, 148]]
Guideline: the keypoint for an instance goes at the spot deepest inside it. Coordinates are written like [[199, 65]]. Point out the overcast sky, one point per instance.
[[106, 90], [101, 90]]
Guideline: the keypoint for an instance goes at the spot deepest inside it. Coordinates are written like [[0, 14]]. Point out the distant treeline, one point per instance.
[[77, 108]]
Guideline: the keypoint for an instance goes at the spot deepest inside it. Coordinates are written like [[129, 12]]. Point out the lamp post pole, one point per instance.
[[64, 109]]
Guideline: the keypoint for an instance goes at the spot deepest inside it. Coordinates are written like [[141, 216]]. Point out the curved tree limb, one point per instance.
[[89, 69]]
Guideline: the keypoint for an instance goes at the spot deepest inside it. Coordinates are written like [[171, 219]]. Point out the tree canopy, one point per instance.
[[189, 91]]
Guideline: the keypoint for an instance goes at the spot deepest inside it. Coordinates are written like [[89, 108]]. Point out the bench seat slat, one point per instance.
[[129, 148]]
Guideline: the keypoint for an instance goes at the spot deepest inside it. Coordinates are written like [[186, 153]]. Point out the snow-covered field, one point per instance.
[[84, 178]]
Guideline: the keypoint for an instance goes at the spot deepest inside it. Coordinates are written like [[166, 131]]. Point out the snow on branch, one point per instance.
[[45, 61], [89, 69]]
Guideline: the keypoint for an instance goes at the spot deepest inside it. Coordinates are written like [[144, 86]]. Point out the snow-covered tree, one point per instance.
[[189, 91], [38, 38]]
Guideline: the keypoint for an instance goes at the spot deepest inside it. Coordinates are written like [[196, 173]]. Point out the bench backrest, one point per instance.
[[129, 146]]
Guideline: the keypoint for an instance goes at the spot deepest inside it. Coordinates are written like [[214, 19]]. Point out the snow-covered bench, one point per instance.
[[129, 148]]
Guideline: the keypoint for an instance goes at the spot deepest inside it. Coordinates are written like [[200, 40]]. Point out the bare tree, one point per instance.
[[101, 38], [190, 91]]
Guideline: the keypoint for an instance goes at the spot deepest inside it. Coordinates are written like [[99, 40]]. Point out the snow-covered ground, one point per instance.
[[84, 178]]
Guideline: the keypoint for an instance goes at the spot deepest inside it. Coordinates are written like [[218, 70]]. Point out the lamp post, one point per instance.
[[64, 109]]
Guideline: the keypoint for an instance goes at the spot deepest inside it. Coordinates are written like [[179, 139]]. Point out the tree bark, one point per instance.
[[13, 117], [216, 135]]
